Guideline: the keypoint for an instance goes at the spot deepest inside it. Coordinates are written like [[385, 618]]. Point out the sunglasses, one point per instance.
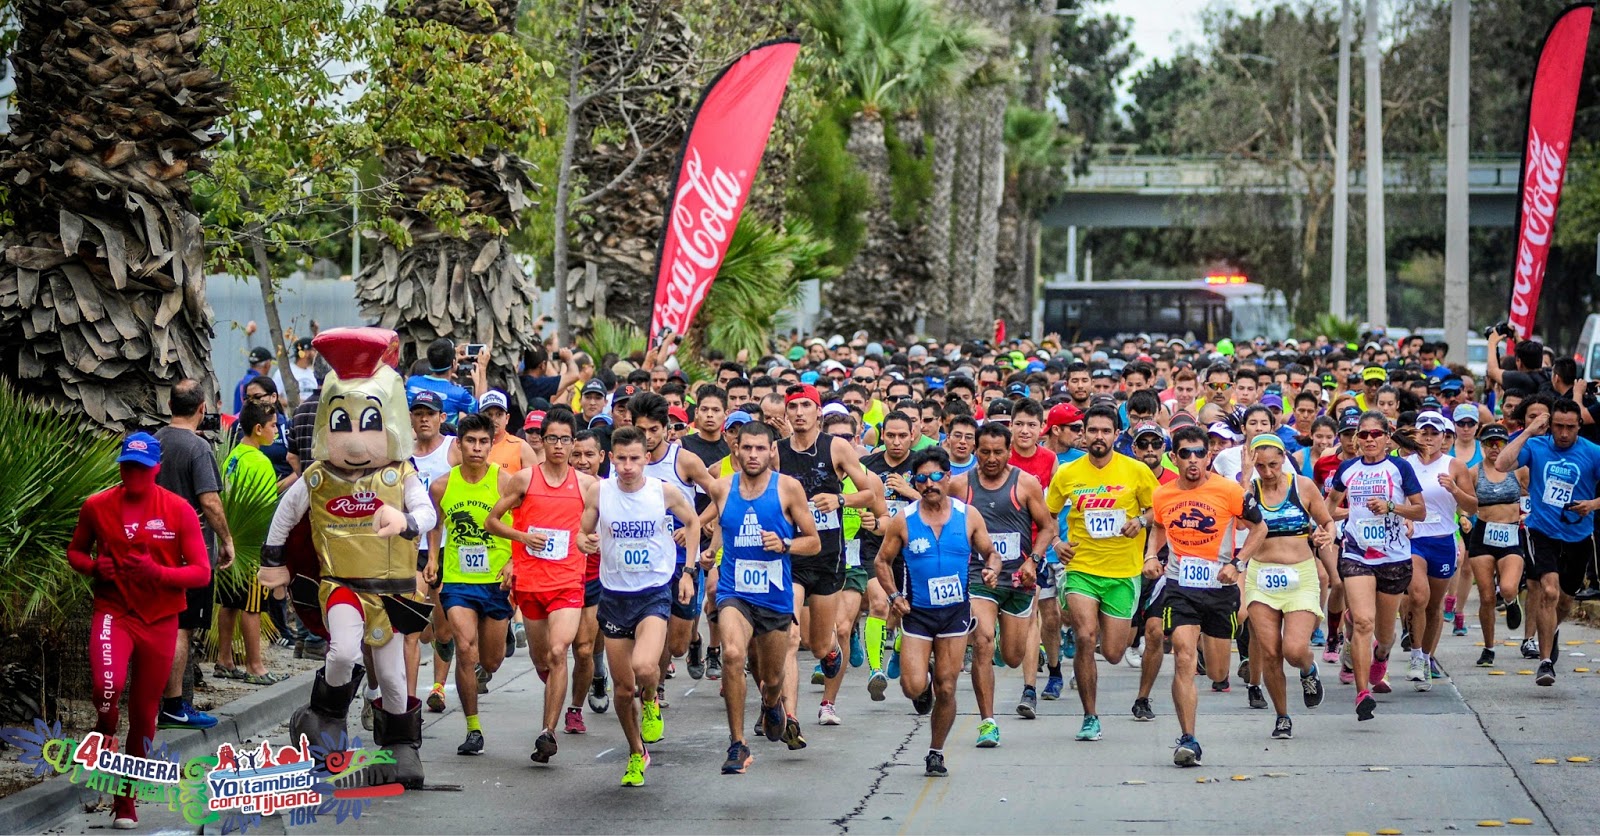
[[1077, 428], [1368, 435], [1217, 387], [678, 428], [1192, 452], [924, 478], [1154, 444]]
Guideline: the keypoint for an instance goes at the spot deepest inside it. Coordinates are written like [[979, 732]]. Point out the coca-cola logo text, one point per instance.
[[703, 212], [363, 504], [1541, 193]]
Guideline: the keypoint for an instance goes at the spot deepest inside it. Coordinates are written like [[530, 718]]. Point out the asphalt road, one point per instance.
[[1430, 762]]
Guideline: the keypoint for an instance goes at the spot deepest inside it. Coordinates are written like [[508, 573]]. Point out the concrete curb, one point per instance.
[[36, 807]]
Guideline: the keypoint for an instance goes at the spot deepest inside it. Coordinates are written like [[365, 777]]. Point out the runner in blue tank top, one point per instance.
[[763, 522], [936, 537]]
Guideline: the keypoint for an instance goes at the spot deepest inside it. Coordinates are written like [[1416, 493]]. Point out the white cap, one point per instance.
[[493, 397], [1222, 430]]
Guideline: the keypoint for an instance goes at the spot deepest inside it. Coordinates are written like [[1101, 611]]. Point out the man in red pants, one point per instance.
[[142, 545]]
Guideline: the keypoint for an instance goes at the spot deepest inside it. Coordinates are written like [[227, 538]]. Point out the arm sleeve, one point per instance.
[[1525, 455], [291, 508], [1249, 508], [78, 555], [418, 504], [196, 570]]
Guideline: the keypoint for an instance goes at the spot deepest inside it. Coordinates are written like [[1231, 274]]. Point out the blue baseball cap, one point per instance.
[[736, 419], [935, 382], [808, 378], [141, 449], [1450, 384]]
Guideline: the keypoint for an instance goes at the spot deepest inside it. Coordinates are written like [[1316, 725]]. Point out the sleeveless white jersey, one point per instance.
[[1441, 504], [636, 548]]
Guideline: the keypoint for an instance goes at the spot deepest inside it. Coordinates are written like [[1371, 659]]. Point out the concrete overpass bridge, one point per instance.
[[1149, 191]]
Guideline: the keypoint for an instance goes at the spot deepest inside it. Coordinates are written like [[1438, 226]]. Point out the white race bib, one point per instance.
[[633, 555], [1198, 573], [826, 521], [755, 577], [1372, 532], [474, 560], [1009, 545], [558, 541], [1277, 579], [1557, 492], [1105, 522], [852, 553], [944, 591], [1526, 504], [1501, 535], [896, 506]]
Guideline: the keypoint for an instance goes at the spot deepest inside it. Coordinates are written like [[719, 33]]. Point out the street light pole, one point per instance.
[[1341, 174], [1377, 284], [1456, 269]]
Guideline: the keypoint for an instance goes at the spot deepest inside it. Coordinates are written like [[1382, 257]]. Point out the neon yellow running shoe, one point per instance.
[[634, 777], [651, 726]]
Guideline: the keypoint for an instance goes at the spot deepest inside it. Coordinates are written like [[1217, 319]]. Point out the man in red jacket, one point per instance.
[[142, 545]]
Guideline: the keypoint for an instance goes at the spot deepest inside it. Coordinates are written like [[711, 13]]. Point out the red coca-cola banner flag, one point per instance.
[[727, 137], [1551, 107]]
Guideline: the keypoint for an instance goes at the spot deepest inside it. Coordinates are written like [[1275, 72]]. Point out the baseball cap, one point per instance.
[[831, 365], [836, 408], [836, 340], [428, 399], [677, 415], [1272, 400], [917, 352], [594, 387], [624, 392], [597, 420], [1374, 373], [302, 344], [1465, 412], [796, 353], [1493, 432], [1435, 421], [805, 392], [1220, 429], [735, 419], [1145, 428], [1061, 415], [1430, 402], [998, 408], [1019, 390], [1034, 366], [1225, 347], [809, 378], [493, 397], [935, 382], [534, 421], [1350, 421], [1450, 384], [141, 449], [260, 354]]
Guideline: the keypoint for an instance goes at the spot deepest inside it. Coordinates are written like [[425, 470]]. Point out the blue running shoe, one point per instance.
[[832, 664], [1069, 643], [186, 717], [816, 675], [858, 650], [1187, 752], [1052, 688], [892, 670], [1318, 638]]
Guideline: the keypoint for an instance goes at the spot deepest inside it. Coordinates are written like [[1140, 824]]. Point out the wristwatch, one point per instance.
[[1234, 562], [896, 596], [787, 544]]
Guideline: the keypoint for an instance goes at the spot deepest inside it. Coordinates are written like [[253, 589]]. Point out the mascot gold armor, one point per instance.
[[361, 495]]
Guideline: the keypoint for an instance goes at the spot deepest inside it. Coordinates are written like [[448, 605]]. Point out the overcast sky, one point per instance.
[[1160, 27]]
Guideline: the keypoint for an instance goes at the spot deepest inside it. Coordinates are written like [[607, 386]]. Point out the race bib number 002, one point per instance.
[[1105, 522], [633, 556]]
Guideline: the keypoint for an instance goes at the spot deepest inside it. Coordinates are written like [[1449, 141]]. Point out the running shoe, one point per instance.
[[923, 702], [1133, 657], [1365, 705], [520, 634], [858, 650], [1547, 674], [826, 716], [599, 696], [1028, 704], [988, 734], [791, 734], [1513, 614], [1052, 688], [1460, 628], [1187, 752], [1199, 663], [1530, 647], [1069, 643], [661, 697], [1244, 669], [545, 747], [436, 698], [714, 663], [697, 665], [1417, 671], [1253, 694], [1283, 729], [1435, 670], [772, 722], [1311, 688], [672, 670], [893, 668], [877, 683], [186, 717], [1142, 711], [1222, 687], [1449, 608], [473, 745], [1555, 646], [1330, 651], [1486, 658], [739, 758], [966, 660], [634, 777], [933, 765], [1319, 638], [817, 677], [366, 714], [1090, 729], [832, 664], [1406, 640], [1378, 677], [651, 726], [483, 679], [574, 722]]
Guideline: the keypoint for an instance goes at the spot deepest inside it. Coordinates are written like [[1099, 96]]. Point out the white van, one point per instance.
[[1587, 352]]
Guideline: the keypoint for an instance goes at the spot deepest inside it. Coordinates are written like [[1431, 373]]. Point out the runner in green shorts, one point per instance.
[[1011, 502]]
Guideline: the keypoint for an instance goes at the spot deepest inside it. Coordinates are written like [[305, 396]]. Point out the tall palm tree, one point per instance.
[[102, 287], [888, 54], [980, 173]]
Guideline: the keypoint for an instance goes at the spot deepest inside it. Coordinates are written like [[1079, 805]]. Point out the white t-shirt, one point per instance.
[[306, 379]]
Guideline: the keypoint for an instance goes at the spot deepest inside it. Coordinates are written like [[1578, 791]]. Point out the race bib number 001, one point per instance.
[[474, 560], [944, 591], [558, 542], [1105, 522], [1198, 573], [1278, 578], [1500, 535], [755, 577]]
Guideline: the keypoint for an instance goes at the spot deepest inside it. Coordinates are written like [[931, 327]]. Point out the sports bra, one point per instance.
[[1504, 492], [1288, 518]]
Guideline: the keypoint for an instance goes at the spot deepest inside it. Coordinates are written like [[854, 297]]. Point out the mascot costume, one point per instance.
[[360, 496]]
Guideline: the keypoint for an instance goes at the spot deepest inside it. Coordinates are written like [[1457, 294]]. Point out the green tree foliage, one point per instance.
[[759, 277], [1092, 51], [828, 188]]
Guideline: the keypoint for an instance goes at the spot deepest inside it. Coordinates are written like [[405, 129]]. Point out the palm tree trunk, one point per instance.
[[878, 291], [102, 288], [937, 227], [991, 188], [965, 215]]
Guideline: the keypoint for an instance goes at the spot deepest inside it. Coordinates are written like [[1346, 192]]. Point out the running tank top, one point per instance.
[[814, 469], [936, 564], [635, 545], [556, 512], [1010, 525], [1507, 491], [1441, 504], [1477, 456], [435, 465], [1288, 518], [507, 452], [749, 572], [470, 554], [667, 471]]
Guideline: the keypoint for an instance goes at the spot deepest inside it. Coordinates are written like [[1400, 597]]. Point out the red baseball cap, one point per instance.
[[677, 415], [803, 391], [534, 421], [1061, 415]]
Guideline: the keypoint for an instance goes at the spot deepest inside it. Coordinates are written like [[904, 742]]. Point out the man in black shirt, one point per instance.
[[1529, 375], [706, 442]]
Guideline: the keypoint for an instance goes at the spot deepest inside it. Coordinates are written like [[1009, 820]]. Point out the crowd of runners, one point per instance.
[[923, 511]]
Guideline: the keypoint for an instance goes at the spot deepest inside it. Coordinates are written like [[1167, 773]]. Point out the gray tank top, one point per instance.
[[1504, 492], [1007, 518]]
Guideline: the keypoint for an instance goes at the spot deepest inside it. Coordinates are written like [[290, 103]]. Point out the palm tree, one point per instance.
[[980, 171], [1036, 150], [759, 277], [888, 54], [102, 290]]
